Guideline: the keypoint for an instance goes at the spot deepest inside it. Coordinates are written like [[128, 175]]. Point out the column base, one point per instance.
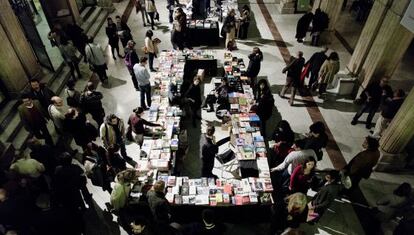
[[391, 162]]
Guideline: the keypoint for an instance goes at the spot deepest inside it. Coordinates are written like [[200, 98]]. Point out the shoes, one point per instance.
[[145, 108], [120, 56], [300, 40], [153, 70], [354, 122]]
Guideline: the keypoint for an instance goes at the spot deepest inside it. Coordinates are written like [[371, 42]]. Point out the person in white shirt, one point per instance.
[[143, 78], [294, 158], [57, 112], [26, 166], [96, 59], [151, 49]]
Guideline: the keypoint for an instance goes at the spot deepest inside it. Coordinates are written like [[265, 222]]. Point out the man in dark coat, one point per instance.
[[372, 97], [389, 107], [209, 150], [303, 26], [294, 70], [42, 93], [34, 118], [253, 69], [319, 23], [315, 64], [193, 95], [131, 58], [90, 102], [124, 32]]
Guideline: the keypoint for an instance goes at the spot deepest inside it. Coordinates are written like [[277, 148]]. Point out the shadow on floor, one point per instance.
[[100, 222]]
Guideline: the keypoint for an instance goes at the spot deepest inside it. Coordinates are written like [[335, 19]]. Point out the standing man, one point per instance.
[[96, 59], [315, 64], [372, 100], [140, 6], [39, 91], [143, 78], [131, 58], [294, 69], [34, 118], [170, 7], [390, 107], [90, 102], [112, 133], [124, 32], [209, 150], [57, 113]]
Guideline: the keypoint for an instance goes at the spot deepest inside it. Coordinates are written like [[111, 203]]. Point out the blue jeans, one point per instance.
[[145, 91]]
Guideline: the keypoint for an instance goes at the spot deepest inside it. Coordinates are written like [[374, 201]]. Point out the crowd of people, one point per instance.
[[45, 191]]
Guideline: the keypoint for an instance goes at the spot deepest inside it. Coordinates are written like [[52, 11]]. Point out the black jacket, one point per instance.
[[137, 124], [316, 61], [390, 106], [43, 95], [294, 69], [112, 35], [160, 207], [265, 105], [254, 64], [91, 102], [194, 92]]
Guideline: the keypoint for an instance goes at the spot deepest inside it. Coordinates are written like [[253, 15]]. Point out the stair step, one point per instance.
[[6, 113], [91, 19], [85, 13], [100, 20], [12, 128]]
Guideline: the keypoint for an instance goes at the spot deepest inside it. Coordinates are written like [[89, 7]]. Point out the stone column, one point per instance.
[[17, 60], [333, 9], [396, 137], [286, 6], [389, 46], [107, 5], [370, 30]]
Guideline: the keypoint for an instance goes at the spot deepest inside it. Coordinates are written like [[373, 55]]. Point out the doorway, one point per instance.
[[82, 4]]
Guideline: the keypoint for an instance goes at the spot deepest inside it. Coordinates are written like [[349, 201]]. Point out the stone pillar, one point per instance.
[[370, 30], [333, 9], [107, 5], [396, 137], [287, 6], [388, 47], [17, 60]]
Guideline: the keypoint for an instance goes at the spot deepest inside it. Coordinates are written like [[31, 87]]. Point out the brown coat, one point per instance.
[[26, 118], [361, 165]]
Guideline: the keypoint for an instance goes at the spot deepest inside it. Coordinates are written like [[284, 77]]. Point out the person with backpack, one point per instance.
[[131, 58], [136, 125], [90, 102]]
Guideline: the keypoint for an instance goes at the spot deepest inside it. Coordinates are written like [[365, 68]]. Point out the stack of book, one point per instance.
[[208, 191]]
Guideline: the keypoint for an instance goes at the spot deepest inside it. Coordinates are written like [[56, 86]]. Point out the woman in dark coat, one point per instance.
[[294, 70], [317, 139], [255, 60], [265, 104], [193, 95], [303, 26], [82, 131], [113, 39]]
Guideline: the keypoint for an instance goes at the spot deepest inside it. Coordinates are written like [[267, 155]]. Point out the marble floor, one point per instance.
[[120, 98]]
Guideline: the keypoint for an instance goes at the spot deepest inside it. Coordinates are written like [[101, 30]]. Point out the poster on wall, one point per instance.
[[408, 19]]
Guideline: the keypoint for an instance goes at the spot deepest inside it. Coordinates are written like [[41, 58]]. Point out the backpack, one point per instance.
[[73, 101]]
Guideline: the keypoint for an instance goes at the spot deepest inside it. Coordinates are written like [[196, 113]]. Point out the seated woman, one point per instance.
[[137, 125], [302, 175], [219, 95], [283, 137]]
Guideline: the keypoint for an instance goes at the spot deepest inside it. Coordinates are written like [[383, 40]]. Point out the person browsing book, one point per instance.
[[136, 123]]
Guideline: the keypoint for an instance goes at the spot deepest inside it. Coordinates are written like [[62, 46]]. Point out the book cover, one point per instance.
[[202, 199], [185, 190]]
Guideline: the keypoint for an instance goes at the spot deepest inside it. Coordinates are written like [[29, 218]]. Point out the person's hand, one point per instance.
[[273, 169]]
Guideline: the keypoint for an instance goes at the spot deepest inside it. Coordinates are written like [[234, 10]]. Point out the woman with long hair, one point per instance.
[[301, 178], [328, 71]]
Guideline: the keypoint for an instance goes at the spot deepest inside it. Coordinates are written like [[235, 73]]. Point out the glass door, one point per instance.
[[25, 16]]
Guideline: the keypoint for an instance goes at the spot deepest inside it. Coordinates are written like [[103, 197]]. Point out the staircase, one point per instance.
[[11, 128]]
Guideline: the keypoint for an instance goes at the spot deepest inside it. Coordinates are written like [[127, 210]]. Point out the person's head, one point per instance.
[[112, 119], [299, 144], [43, 201], [90, 39], [90, 86], [27, 99], [34, 84], [3, 194], [232, 12], [284, 125], [65, 159], [149, 33], [131, 44], [143, 60], [300, 54], [109, 20], [57, 101], [317, 128], [224, 81], [399, 93], [384, 81], [208, 216], [318, 11], [196, 80], [296, 203], [210, 130], [138, 225], [257, 50], [309, 163], [138, 111], [70, 114], [118, 19], [332, 176], [403, 190], [263, 85], [71, 84], [370, 143], [333, 56], [159, 186]]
